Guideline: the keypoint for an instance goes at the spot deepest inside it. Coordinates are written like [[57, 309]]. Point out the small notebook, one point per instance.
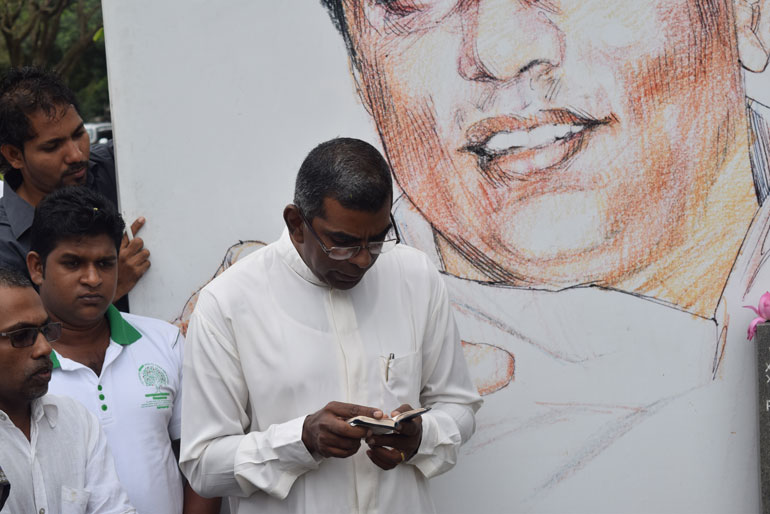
[[386, 425]]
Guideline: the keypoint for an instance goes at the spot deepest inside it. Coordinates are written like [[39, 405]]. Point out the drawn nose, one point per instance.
[[508, 38]]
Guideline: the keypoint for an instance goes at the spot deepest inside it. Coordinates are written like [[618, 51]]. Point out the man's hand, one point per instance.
[[133, 261], [390, 450], [327, 432]]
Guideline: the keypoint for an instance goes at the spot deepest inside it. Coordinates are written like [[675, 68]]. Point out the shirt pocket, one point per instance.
[[74, 501], [400, 380]]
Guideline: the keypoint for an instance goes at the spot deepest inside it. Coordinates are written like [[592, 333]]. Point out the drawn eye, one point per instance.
[[404, 7], [407, 16]]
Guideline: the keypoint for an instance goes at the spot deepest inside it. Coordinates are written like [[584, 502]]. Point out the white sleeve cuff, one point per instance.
[[272, 460]]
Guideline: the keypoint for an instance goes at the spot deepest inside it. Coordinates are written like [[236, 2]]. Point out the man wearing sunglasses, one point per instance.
[[333, 320], [125, 369], [53, 452]]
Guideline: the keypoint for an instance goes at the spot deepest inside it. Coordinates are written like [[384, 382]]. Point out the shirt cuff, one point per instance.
[[272, 460], [438, 448]]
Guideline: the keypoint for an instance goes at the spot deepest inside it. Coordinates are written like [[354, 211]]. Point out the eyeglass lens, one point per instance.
[[26, 336], [375, 248]]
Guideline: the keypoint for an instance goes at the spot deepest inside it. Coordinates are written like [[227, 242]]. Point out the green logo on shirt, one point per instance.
[[152, 375]]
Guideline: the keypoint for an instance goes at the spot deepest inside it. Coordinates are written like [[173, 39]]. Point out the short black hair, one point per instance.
[[10, 277], [337, 14], [73, 212], [351, 171], [23, 92]]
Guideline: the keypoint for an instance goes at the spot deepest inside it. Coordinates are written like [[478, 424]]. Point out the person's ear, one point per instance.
[[35, 268], [293, 220], [752, 22], [13, 155]]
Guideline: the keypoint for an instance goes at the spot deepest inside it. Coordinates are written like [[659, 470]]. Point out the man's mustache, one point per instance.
[[76, 167]]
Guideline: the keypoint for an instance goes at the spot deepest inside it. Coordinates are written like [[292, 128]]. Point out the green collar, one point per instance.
[[121, 331]]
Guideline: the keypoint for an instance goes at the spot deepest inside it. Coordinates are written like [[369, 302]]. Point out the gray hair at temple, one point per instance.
[[13, 278], [348, 170]]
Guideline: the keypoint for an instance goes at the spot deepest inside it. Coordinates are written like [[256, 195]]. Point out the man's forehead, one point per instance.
[[49, 118], [80, 245], [353, 221], [20, 306]]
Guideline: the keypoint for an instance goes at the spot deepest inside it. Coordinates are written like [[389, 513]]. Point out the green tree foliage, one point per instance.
[[63, 35]]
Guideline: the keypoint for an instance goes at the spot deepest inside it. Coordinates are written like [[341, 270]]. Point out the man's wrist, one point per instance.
[[306, 438]]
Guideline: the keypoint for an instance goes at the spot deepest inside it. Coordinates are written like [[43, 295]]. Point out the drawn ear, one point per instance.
[[752, 22], [355, 71], [13, 155]]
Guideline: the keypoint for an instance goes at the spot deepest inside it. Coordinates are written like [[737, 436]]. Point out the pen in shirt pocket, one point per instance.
[[387, 366]]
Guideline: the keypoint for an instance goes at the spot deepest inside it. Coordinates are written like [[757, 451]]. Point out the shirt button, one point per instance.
[[104, 407], [2, 417], [42, 511]]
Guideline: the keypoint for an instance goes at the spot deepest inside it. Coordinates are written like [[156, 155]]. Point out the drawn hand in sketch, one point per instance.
[[492, 368], [232, 255], [562, 144]]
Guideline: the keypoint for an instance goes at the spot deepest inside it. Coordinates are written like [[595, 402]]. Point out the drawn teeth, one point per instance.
[[504, 140], [538, 136]]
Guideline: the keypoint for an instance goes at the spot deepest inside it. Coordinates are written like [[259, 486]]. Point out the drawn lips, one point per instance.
[[518, 146]]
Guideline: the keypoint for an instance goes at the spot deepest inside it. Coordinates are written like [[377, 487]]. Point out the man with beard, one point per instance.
[[44, 146], [590, 178], [53, 452]]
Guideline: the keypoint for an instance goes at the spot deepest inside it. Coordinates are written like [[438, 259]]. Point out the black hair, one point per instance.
[[337, 14], [73, 212], [13, 278], [348, 170], [23, 92]]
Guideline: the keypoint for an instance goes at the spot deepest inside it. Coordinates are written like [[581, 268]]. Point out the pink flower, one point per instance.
[[762, 311]]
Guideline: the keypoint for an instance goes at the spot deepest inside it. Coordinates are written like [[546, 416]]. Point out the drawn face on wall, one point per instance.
[[557, 142]]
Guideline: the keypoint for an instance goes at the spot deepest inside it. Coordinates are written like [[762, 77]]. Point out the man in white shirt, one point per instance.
[[5, 488], [52, 451], [125, 369], [310, 320]]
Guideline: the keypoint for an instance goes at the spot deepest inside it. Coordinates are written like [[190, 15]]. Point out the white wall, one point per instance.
[[215, 105]]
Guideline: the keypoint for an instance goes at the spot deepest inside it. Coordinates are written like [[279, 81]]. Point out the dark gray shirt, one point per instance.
[[16, 214]]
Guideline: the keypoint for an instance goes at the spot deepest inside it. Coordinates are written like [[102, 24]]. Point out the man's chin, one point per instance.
[[88, 313], [36, 392], [342, 282], [343, 286], [75, 179]]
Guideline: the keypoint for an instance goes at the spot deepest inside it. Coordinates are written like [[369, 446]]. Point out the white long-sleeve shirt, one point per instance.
[[269, 343], [65, 467]]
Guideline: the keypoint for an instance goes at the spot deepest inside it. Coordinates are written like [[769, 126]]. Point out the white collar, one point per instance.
[[291, 257]]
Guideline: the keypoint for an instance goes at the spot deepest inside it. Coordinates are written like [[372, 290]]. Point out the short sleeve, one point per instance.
[[175, 423]]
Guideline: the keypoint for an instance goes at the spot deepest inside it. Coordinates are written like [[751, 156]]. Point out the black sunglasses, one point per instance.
[[25, 337]]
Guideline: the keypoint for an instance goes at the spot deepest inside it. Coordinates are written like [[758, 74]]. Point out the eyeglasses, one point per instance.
[[25, 337], [342, 253]]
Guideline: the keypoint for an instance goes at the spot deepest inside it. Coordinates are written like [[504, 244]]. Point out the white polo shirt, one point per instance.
[[137, 399]]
